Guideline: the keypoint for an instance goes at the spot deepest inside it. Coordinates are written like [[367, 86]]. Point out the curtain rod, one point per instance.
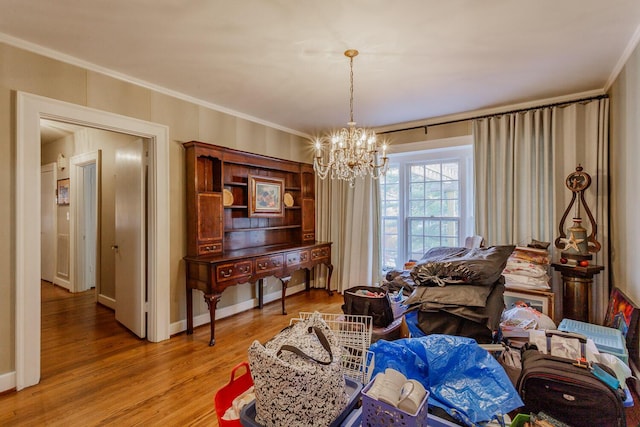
[[486, 116]]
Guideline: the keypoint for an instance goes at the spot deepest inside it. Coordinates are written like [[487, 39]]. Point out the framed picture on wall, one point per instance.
[[265, 196], [539, 300], [63, 192]]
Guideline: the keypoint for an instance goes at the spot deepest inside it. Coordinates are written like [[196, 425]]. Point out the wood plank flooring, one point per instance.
[[95, 372]]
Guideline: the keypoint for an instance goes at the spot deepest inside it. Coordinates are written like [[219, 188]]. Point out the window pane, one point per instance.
[[417, 174], [390, 226], [449, 189], [417, 244], [390, 192], [433, 173], [391, 209], [416, 227], [449, 228], [450, 241], [450, 208], [432, 242], [416, 208], [391, 241], [393, 175], [450, 171], [433, 228], [390, 259], [433, 190], [416, 191], [433, 208]]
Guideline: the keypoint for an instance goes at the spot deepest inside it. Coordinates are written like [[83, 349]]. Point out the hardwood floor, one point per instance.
[[95, 372]]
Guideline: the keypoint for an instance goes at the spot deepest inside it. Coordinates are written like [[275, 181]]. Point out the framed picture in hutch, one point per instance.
[[265, 196]]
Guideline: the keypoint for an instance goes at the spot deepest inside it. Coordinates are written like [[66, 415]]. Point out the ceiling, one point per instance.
[[281, 62], [52, 130]]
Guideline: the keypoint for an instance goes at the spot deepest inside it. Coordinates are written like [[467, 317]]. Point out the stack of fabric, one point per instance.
[[527, 268], [456, 291]]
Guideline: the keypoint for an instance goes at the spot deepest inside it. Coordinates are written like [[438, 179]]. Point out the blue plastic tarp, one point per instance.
[[463, 378]]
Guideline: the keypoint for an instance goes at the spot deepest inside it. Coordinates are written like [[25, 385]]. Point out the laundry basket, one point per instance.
[[354, 336], [225, 396]]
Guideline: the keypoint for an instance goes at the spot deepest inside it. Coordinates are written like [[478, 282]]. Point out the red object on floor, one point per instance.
[[224, 397]]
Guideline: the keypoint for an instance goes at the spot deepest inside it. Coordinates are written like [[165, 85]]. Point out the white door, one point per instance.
[[47, 222], [129, 246], [89, 227]]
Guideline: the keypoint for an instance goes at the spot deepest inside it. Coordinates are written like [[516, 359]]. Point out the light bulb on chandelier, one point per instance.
[[351, 152]]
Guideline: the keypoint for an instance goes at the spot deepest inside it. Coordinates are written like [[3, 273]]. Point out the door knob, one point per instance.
[[114, 248]]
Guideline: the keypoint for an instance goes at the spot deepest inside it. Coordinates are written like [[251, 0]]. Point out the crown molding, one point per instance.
[[72, 60], [626, 54]]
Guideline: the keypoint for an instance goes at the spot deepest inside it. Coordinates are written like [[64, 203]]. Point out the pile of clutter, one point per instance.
[[528, 267]]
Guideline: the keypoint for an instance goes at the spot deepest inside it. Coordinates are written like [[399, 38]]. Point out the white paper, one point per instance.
[[568, 348]]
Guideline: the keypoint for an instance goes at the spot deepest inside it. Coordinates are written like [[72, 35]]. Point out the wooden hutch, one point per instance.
[[233, 237]]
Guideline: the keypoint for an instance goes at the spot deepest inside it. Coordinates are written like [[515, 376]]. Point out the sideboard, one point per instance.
[[213, 274], [249, 216]]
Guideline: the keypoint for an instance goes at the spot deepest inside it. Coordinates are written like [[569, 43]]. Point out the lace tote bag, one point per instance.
[[298, 377]]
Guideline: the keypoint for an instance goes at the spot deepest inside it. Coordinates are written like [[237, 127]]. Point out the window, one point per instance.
[[426, 200]]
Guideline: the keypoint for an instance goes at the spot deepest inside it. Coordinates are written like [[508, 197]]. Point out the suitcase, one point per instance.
[[569, 391]]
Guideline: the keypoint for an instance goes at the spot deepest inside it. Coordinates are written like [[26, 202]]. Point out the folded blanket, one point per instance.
[[518, 281]]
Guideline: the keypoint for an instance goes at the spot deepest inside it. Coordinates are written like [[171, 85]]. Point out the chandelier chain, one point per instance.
[[351, 89]]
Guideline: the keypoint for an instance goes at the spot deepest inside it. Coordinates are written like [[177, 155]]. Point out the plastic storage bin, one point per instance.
[[380, 414], [519, 420], [236, 386], [607, 340], [248, 413]]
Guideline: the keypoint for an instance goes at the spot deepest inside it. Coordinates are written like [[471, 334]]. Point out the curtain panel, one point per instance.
[[521, 162], [349, 217]]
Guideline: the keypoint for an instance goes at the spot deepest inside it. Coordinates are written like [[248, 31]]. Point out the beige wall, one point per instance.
[[24, 71], [433, 133], [624, 163]]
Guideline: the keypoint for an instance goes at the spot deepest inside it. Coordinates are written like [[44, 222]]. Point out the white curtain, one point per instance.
[[521, 162], [349, 218]]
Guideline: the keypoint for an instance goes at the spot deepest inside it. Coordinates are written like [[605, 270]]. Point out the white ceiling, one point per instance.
[[281, 62], [51, 130]]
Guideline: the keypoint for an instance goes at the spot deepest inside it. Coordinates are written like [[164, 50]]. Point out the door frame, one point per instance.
[[76, 194], [29, 110]]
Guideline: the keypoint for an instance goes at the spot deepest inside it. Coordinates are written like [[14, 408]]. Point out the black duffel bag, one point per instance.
[[369, 301]]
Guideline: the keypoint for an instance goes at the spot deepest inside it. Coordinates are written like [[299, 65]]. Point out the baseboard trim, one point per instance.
[[203, 319], [7, 382], [62, 283], [107, 301]]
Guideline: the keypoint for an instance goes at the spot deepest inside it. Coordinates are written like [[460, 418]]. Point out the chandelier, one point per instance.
[[351, 152]]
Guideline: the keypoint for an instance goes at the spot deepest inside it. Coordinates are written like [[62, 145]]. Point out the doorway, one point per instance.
[[29, 110]]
